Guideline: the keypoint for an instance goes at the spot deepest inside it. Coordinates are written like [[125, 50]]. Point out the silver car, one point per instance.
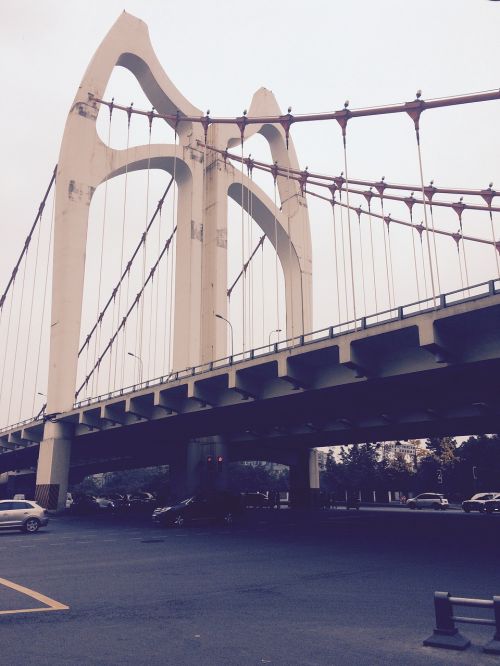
[[23, 515], [428, 501]]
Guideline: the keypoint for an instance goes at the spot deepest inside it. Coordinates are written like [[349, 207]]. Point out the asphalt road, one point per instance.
[[283, 588]]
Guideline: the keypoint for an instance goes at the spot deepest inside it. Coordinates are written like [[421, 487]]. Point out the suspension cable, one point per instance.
[[103, 231], [342, 243], [410, 206], [44, 300], [385, 248], [171, 265], [276, 261], [134, 305], [28, 239], [336, 256], [313, 177], [245, 265], [23, 281], [372, 250], [144, 253], [30, 317], [287, 120], [362, 263], [125, 272]]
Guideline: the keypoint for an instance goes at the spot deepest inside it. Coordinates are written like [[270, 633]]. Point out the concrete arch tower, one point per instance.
[[204, 182]]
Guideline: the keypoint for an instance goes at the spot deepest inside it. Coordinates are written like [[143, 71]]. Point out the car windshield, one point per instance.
[[483, 496]]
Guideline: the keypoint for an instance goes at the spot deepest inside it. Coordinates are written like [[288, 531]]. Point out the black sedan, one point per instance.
[[221, 507]]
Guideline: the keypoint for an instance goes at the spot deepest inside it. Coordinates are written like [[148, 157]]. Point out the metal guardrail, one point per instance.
[[446, 635]]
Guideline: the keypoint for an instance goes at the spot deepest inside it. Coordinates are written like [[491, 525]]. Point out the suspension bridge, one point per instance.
[[168, 326]]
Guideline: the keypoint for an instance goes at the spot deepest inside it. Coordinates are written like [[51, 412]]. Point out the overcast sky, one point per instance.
[[312, 55]]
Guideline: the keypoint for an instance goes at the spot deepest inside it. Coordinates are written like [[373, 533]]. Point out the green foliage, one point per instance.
[[256, 477], [360, 468], [148, 479]]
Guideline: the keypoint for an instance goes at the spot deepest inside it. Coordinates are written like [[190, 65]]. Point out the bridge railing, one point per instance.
[[480, 290]]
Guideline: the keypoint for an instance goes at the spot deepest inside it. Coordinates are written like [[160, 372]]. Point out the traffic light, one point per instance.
[[220, 460], [440, 476], [210, 462]]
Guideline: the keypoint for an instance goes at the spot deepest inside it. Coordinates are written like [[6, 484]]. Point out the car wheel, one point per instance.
[[31, 525], [443, 507], [466, 509], [412, 506], [179, 521], [482, 509]]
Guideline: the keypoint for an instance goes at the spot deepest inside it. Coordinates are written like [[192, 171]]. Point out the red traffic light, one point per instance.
[[220, 459], [209, 460]]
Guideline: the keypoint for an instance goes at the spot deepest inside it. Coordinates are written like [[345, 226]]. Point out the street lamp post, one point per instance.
[[232, 334], [140, 365], [276, 330]]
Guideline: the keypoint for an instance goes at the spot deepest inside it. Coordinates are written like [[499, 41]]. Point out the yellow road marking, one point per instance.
[[50, 604]]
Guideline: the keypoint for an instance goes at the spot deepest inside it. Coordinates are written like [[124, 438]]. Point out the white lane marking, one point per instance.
[[50, 604]]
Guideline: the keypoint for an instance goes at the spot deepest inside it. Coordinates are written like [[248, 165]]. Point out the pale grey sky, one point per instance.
[[312, 55]]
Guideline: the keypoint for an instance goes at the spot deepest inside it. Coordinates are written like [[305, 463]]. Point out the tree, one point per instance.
[[256, 477], [332, 475], [360, 467]]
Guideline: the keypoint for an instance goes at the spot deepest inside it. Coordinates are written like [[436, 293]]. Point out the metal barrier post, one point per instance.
[[493, 647], [445, 634]]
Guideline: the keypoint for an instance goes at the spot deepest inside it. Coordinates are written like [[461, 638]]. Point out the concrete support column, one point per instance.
[[185, 469], [188, 265], [304, 479], [53, 466], [195, 467]]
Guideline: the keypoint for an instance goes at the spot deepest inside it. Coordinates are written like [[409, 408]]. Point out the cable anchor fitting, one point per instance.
[[286, 122], [206, 121], [380, 187], [130, 111], [250, 165], [242, 122], [414, 110]]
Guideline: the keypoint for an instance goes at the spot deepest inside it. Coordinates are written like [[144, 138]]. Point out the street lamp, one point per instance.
[[276, 330], [232, 334], [140, 365]]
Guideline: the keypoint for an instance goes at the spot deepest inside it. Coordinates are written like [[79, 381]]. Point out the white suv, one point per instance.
[[25, 515], [428, 501]]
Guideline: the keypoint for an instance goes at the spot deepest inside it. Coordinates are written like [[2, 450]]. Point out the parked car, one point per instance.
[[478, 502], [352, 502], [141, 502], [493, 504], [211, 507], [255, 500], [25, 515], [105, 503], [83, 504], [120, 501], [428, 501]]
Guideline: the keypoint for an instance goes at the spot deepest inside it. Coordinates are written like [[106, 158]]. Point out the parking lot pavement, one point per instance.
[[284, 588]]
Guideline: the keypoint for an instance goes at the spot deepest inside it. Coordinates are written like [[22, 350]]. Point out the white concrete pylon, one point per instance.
[[201, 243]]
